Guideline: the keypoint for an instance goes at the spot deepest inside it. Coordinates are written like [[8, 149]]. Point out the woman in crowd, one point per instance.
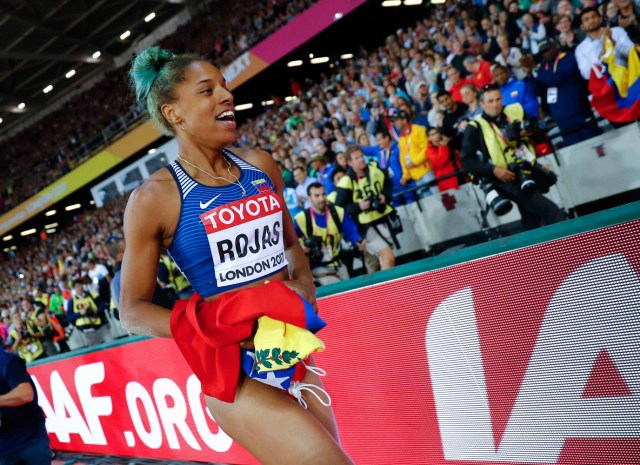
[[567, 36], [470, 96], [188, 98]]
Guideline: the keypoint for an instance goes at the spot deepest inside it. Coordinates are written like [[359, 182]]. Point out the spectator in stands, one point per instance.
[[470, 94], [454, 111], [456, 82], [422, 104], [320, 229], [303, 181], [365, 192], [515, 91], [565, 8], [589, 51], [443, 159], [610, 14], [568, 37], [456, 57], [99, 275], [435, 108], [566, 97], [24, 438], [628, 18], [336, 176], [509, 57], [512, 23], [117, 253], [498, 160], [323, 171], [412, 148], [532, 33], [480, 71]]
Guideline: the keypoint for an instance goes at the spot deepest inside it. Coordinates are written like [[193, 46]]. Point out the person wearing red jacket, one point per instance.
[[443, 161], [480, 70], [456, 81]]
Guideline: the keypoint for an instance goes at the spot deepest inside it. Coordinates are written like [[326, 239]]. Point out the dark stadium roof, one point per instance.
[[42, 40]]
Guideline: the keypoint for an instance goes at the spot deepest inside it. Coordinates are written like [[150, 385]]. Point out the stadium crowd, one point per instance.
[[428, 76], [70, 135]]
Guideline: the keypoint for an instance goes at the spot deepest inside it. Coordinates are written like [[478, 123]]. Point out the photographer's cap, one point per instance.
[[546, 44]]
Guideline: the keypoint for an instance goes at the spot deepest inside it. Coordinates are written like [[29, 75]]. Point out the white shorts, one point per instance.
[[378, 240]]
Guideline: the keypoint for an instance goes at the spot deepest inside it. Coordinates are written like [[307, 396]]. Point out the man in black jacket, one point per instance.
[[504, 161]]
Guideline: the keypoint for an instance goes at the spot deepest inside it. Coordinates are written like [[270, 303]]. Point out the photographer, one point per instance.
[[497, 151], [320, 229], [365, 193], [85, 311], [23, 343]]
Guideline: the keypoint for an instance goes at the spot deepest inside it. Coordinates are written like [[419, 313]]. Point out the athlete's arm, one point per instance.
[[299, 271], [143, 233]]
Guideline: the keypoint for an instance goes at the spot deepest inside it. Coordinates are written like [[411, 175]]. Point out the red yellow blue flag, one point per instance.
[[616, 88]]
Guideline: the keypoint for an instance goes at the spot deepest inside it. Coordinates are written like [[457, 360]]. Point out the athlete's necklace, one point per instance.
[[219, 178]]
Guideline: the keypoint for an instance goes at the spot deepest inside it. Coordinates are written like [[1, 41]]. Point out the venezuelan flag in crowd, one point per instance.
[[616, 88]]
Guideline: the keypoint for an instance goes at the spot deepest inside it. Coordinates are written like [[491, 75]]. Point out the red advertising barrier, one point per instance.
[[531, 356]]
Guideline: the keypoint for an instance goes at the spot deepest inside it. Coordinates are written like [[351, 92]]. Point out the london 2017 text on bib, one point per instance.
[[246, 238]]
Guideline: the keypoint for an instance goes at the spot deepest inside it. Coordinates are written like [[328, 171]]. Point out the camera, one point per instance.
[[314, 244], [498, 204], [376, 205], [522, 170], [512, 131]]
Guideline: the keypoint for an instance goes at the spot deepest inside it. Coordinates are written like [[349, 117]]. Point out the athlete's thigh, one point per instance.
[[274, 428], [321, 412]]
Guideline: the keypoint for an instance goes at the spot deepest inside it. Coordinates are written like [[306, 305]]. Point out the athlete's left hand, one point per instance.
[[305, 290]]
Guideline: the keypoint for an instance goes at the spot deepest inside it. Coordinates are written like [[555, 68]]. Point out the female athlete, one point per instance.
[[177, 208]]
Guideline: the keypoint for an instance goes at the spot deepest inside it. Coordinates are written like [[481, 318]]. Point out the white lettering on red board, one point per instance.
[[165, 410], [590, 311], [64, 417]]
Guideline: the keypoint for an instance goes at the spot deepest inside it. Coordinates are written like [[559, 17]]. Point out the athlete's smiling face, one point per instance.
[[203, 106]]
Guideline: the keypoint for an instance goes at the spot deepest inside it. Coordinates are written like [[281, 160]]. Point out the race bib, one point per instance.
[[246, 239]]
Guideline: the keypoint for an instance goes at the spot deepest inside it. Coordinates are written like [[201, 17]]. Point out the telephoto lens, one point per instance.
[[522, 171], [498, 204]]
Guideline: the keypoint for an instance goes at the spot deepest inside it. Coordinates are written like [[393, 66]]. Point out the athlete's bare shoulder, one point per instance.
[[156, 201], [262, 160], [256, 157], [160, 185]]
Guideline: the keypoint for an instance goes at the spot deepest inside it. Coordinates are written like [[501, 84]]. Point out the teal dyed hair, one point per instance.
[[154, 74]]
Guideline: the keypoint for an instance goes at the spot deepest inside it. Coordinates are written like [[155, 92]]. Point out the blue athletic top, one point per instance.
[[223, 239]]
